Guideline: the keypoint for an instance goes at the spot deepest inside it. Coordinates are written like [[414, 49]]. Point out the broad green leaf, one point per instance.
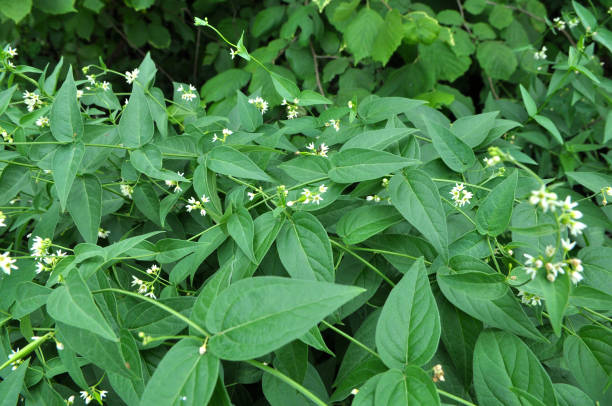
[[12, 384], [292, 360], [358, 164], [407, 387], [56, 6], [473, 130], [30, 296], [13, 179], [375, 109], [65, 117], [304, 248], [408, 329], [502, 361], [586, 17], [480, 284], [594, 181], [550, 126], [568, 395], [360, 224], [183, 377], [146, 72], [16, 10], [85, 206], [388, 38], [66, 163], [312, 98], [604, 37], [360, 35], [241, 229], [587, 369], [416, 197], [530, 105], [5, 98], [74, 305], [250, 116], [257, 315], [146, 200], [455, 153], [493, 215], [148, 160], [497, 59], [136, 126], [284, 87], [504, 312], [587, 296], [555, 295], [377, 139], [205, 183], [229, 161], [224, 84], [607, 130]]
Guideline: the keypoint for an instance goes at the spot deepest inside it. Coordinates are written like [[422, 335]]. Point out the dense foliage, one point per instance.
[[326, 220]]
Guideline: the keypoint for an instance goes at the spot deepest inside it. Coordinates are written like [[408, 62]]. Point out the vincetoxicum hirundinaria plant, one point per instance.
[[374, 253]]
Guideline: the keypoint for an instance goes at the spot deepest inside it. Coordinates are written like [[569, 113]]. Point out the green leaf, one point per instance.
[[311, 98], [604, 37], [375, 109], [587, 369], [13, 179], [30, 296], [587, 19], [225, 84], [56, 6], [408, 330], [530, 104], [497, 59], [358, 164], [183, 377], [65, 117], [304, 248], [389, 37], [229, 161], [5, 98], [136, 127], [66, 162], [146, 200], [550, 126], [503, 361], [74, 305], [250, 116], [568, 395], [363, 222], [241, 229], [475, 6], [15, 10], [411, 386], [148, 160], [85, 206], [504, 312], [284, 87], [12, 384], [493, 215], [501, 16], [456, 154], [360, 35], [257, 315], [473, 130], [480, 284], [416, 197], [594, 181], [377, 139]]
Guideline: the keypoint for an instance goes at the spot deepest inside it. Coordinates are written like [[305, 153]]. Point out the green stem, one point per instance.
[[158, 304], [384, 252], [351, 339], [27, 349], [363, 261], [598, 314], [455, 398], [288, 381]]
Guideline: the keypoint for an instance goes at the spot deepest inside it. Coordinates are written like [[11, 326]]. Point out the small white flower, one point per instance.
[[40, 247], [40, 267], [202, 349], [79, 94], [86, 396], [126, 190], [105, 86], [233, 52], [354, 391], [70, 400], [251, 195], [227, 131], [576, 227], [322, 188], [323, 150], [2, 218], [567, 244], [103, 394], [290, 203], [540, 54], [11, 51], [91, 79], [559, 23], [131, 76], [350, 104], [59, 346], [573, 22], [549, 251], [153, 270], [311, 146], [136, 281], [317, 198], [546, 200], [528, 298], [195, 204], [333, 123], [461, 196], [102, 233], [42, 121], [260, 103], [174, 183], [609, 191]]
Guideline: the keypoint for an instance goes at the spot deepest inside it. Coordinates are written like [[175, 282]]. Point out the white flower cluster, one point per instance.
[[568, 217], [32, 100], [333, 123], [188, 94], [492, 161], [131, 76], [2, 218], [197, 204], [42, 121], [46, 260], [530, 299], [9, 53], [373, 198], [226, 133], [310, 196], [126, 190], [174, 183], [321, 151], [260, 103], [560, 24], [94, 394], [292, 108], [6, 137], [461, 196], [145, 288], [573, 266], [541, 54]]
